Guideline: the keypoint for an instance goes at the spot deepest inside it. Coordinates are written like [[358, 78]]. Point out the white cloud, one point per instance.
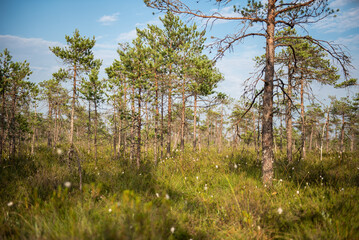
[[35, 51], [346, 20], [340, 3], [109, 19], [127, 36]]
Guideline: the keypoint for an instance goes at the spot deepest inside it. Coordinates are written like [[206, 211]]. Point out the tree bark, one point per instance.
[[288, 115], [302, 114], [169, 118], [139, 124], [267, 126], [195, 122], [183, 114], [95, 132], [342, 136]]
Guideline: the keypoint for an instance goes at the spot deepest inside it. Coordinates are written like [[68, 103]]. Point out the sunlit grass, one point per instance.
[[205, 195]]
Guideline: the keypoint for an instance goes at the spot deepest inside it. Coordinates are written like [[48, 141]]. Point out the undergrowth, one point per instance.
[[191, 195]]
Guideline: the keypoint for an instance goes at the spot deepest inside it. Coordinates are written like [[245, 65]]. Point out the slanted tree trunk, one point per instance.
[[267, 125]]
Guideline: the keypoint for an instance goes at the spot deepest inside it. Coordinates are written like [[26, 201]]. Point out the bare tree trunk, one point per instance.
[[352, 139], [195, 122], [162, 137], [342, 137], [95, 135], [327, 131], [220, 130], [183, 115], [2, 119], [139, 124], [34, 134], [169, 120], [132, 125], [56, 124], [267, 126], [73, 111], [302, 114], [114, 129], [288, 116], [156, 122], [311, 137], [89, 130], [147, 129]]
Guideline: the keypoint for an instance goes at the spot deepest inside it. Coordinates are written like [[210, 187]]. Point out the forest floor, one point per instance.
[[202, 195]]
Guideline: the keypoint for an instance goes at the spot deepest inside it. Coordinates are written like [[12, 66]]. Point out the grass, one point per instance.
[[206, 195]]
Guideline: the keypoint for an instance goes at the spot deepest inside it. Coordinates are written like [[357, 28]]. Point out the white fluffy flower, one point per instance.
[[109, 210], [10, 204], [280, 210], [172, 229], [67, 184]]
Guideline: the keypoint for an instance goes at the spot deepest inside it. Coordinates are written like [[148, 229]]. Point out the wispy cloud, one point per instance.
[[343, 22], [127, 36], [109, 19]]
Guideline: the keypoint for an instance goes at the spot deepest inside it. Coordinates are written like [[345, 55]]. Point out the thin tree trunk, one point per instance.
[[114, 129], [267, 126], [156, 122], [139, 124], [342, 137], [34, 133], [73, 111], [220, 130], [195, 122], [2, 132], [327, 131], [311, 137], [132, 125], [288, 116], [302, 114], [183, 115], [169, 120], [162, 123], [95, 135], [89, 130]]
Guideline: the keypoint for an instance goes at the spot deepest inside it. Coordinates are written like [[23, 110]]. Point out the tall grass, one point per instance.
[[190, 195]]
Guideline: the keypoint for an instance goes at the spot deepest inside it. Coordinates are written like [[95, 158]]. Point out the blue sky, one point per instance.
[[29, 27]]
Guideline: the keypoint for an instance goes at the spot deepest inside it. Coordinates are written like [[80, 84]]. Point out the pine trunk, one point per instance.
[[267, 125]]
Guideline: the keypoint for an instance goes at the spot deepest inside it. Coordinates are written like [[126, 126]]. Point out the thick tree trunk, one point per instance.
[[267, 126], [195, 122]]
